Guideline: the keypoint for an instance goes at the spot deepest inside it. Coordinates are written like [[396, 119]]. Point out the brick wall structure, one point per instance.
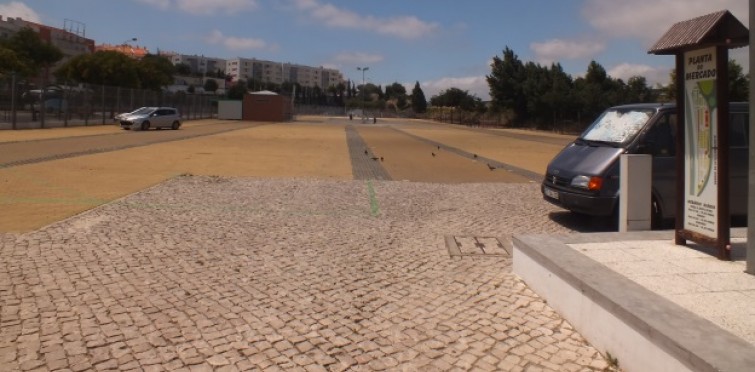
[[266, 107]]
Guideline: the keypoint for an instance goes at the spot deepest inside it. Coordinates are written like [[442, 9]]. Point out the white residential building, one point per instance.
[[278, 73], [198, 64]]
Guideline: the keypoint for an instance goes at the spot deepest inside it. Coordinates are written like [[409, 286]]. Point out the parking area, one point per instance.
[[258, 248]]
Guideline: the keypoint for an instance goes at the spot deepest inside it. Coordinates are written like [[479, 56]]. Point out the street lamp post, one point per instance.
[[126, 43], [363, 69]]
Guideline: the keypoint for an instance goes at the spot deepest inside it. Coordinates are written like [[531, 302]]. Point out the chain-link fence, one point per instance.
[[571, 123], [63, 105]]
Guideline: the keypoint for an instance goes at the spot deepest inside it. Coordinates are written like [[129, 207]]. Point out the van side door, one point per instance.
[[738, 162], [660, 142]]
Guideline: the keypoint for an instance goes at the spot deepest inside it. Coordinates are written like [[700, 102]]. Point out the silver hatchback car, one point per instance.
[[151, 117]]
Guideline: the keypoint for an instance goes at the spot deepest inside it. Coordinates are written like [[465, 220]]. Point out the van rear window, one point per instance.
[[617, 126]]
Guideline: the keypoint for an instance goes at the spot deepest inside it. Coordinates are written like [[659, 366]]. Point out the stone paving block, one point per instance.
[[249, 274]]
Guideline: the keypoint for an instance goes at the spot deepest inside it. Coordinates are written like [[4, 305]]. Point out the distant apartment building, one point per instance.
[[133, 51], [198, 64], [71, 42], [278, 73]]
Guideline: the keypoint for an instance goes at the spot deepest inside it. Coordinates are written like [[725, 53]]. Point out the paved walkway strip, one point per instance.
[[364, 164], [536, 177]]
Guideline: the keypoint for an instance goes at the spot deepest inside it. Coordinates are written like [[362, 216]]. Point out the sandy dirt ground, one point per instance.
[[409, 159], [34, 195], [519, 153], [77, 131]]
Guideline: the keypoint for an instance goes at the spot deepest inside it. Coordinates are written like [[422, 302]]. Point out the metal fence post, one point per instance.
[[13, 99]]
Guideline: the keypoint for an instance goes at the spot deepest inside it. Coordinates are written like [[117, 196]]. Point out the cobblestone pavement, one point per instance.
[[203, 273]]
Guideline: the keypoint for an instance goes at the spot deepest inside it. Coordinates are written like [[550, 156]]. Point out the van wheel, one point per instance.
[[656, 217], [175, 125], [613, 220], [145, 125]]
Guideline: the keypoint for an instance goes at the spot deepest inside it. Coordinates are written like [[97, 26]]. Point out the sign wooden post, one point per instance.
[[701, 46]]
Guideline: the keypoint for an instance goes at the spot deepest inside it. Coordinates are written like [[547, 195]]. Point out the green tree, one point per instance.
[[598, 91], [370, 92], [32, 52], [671, 87], [397, 93], [455, 97], [103, 67], [739, 84], [559, 98], [506, 81], [419, 102], [637, 90], [155, 72], [536, 84], [341, 88], [9, 62], [211, 85], [237, 90], [183, 69]]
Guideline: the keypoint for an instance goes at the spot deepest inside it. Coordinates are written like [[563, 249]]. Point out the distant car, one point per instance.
[[152, 117]]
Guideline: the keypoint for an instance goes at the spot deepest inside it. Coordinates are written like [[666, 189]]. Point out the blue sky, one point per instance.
[[440, 43]]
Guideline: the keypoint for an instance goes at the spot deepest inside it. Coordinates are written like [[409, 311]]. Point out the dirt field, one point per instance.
[[38, 194], [77, 131], [515, 152], [409, 159]]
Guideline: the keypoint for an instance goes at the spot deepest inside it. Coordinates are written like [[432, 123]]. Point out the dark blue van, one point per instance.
[[584, 176]]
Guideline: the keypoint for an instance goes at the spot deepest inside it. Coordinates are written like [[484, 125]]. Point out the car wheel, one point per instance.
[[175, 125], [145, 125]]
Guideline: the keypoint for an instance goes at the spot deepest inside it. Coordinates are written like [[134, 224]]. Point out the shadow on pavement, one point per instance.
[[582, 223]]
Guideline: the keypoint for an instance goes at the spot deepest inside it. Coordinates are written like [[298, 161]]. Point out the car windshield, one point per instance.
[[143, 110], [617, 126]]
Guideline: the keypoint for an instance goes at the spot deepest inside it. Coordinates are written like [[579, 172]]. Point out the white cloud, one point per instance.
[[403, 27], [204, 7], [236, 43], [653, 75], [650, 19], [557, 49], [357, 58], [16, 9], [476, 85]]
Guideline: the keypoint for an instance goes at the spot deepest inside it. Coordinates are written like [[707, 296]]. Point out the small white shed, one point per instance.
[[229, 110]]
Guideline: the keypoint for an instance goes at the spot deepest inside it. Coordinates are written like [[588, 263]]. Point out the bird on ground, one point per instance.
[[475, 156], [433, 154], [374, 158], [366, 152], [381, 158], [491, 167], [438, 147]]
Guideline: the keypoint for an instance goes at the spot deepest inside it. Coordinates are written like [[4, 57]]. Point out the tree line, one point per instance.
[[525, 93], [545, 96]]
